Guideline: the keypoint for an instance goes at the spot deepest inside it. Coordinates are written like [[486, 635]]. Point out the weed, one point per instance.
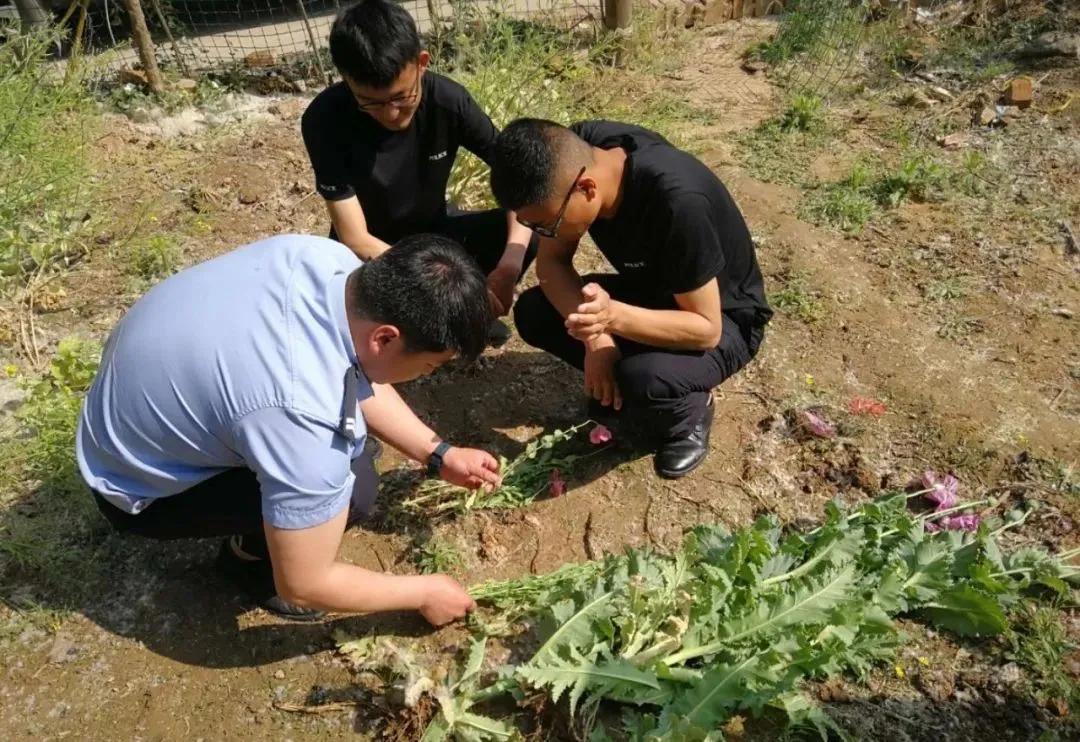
[[846, 205], [1039, 641], [803, 114], [48, 514], [918, 178], [811, 28], [437, 556], [945, 289], [798, 300], [45, 189], [958, 327], [154, 259]]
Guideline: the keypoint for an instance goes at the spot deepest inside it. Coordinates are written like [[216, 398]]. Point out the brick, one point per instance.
[[1019, 92]]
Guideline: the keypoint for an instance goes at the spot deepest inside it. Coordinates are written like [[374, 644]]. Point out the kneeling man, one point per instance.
[[686, 309], [234, 401]]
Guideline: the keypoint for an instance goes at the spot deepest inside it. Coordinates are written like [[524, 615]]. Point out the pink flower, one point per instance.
[[932, 528], [818, 425], [557, 485], [961, 522], [599, 435], [943, 490], [867, 406]]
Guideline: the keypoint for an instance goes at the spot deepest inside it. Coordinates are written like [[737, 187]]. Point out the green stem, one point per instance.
[[955, 509]]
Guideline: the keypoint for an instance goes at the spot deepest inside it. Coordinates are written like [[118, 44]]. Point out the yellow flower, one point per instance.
[[11, 369], [924, 662], [899, 672], [809, 379]]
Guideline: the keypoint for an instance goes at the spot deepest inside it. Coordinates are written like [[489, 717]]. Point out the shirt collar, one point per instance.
[[340, 316]]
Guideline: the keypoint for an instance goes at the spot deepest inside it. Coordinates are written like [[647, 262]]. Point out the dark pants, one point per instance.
[[664, 391], [482, 233], [227, 504]]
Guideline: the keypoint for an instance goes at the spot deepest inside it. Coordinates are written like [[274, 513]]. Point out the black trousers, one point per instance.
[[227, 504], [664, 391], [482, 233]]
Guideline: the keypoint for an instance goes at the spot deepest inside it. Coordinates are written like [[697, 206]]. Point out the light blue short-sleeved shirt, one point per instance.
[[238, 361]]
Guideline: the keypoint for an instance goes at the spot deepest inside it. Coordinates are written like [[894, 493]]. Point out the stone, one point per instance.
[[753, 66], [956, 140], [185, 84], [260, 58], [1052, 44], [1019, 92], [919, 99], [987, 116], [939, 93], [63, 650], [248, 195], [280, 674]]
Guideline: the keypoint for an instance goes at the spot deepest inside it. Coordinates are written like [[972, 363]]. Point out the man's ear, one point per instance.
[[382, 336], [423, 60], [587, 184]]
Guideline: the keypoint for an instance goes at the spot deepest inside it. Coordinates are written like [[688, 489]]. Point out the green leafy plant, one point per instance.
[[804, 113], [796, 299], [438, 556], [524, 478], [734, 621], [846, 204], [154, 258], [46, 121]]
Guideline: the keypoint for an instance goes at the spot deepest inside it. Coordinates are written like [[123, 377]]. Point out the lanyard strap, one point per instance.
[[352, 391]]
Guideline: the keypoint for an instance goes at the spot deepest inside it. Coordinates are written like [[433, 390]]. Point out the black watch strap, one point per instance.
[[435, 460]]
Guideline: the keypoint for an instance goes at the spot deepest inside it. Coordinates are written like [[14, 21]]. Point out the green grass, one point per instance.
[[153, 258], [797, 300], [958, 327], [49, 527], [847, 204], [945, 289], [438, 556], [781, 149], [47, 197], [1040, 643]]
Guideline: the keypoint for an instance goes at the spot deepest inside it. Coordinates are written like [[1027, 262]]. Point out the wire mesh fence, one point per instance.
[[283, 40]]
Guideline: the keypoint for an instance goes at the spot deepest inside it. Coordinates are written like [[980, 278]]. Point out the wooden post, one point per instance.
[[140, 34], [172, 41], [617, 14], [314, 44], [32, 14]]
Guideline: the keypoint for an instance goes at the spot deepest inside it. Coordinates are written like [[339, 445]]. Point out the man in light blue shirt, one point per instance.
[[234, 400]]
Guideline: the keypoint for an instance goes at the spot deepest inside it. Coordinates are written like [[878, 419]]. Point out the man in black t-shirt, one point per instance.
[[686, 309], [383, 141]]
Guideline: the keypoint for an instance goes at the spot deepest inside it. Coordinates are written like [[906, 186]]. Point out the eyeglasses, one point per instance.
[[400, 101], [551, 231]]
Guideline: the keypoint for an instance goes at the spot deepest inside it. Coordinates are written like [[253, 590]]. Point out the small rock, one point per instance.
[[1052, 44], [753, 66], [919, 99], [1019, 92], [1010, 674], [299, 86], [280, 674], [63, 650], [1062, 312], [140, 115], [185, 84], [987, 116], [956, 140], [260, 58], [249, 195]]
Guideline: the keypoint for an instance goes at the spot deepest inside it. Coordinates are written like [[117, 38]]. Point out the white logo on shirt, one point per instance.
[[438, 156], [639, 264]]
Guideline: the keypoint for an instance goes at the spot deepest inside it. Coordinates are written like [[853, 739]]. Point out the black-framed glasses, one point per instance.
[[402, 101], [551, 231]]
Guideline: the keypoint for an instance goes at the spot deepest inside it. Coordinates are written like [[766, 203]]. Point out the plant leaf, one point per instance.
[[965, 611]]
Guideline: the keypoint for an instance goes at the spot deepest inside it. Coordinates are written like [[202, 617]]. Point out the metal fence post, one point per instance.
[[617, 14]]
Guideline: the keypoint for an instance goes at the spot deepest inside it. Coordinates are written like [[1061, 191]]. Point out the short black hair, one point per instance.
[[428, 287], [529, 155], [373, 41]]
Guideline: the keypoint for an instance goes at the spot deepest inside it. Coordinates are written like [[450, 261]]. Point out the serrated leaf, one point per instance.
[[474, 663], [579, 675], [469, 726], [437, 730], [709, 702], [965, 611], [573, 625]]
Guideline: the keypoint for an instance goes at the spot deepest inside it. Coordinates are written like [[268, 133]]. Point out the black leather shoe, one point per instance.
[[677, 458], [498, 334], [255, 577]]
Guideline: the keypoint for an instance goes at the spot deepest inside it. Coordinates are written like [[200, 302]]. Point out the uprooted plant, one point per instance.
[[734, 622]]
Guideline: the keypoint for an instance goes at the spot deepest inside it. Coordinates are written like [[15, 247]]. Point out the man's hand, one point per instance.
[[593, 317], [601, 355], [500, 283], [444, 600], [471, 468]]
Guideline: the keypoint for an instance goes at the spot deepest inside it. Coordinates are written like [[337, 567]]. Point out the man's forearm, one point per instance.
[[561, 285], [675, 329], [366, 246], [517, 242], [387, 414], [346, 588]]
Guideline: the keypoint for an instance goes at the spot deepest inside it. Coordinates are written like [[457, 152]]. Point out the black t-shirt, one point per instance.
[[677, 226], [399, 177]]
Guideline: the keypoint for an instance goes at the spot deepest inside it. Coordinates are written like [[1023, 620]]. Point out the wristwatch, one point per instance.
[[435, 460]]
